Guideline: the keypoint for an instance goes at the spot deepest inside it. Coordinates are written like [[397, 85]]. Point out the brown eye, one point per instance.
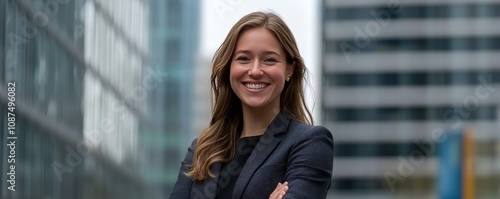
[[243, 59], [270, 61]]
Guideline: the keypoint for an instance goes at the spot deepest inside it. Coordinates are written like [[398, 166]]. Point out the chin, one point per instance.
[[257, 103], [254, 103]]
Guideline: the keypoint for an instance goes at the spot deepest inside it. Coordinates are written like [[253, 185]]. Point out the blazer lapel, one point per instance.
[[267, 143], [207, 189]]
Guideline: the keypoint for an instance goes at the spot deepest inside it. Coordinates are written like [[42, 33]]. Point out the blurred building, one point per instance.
[[398, 73], [173, 41], [116, 42], [202, 105], [78, 67]]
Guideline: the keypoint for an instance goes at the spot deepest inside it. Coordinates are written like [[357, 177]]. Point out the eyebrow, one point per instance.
[[249, 52]]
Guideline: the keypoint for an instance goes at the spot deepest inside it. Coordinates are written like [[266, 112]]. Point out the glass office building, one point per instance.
[[397, 72], [173, 49], [76, 65]]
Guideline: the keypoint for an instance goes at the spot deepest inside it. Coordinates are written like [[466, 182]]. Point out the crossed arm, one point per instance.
[[310, 165], [308, 174]]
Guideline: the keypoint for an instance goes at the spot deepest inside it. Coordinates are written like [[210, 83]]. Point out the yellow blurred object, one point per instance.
[[468, 165]]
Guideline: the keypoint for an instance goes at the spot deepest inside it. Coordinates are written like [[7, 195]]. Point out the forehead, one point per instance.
[[258, 39]]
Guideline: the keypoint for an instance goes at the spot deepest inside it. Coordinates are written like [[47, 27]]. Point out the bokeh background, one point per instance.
[[109, 93]]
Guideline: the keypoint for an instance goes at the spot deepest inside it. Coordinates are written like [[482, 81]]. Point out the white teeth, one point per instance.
[[255, 86]]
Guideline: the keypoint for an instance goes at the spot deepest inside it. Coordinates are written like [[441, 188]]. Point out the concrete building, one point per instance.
[[395, 73]]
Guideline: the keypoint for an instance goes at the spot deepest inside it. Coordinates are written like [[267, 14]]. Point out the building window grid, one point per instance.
[[416, 44], [40, 151], [410, 78], [475, 10], [427, 12], [483, 112]]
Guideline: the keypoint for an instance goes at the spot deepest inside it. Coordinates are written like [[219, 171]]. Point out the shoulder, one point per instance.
[[192, 147], [301, 130], [317, 138], [310, 145]]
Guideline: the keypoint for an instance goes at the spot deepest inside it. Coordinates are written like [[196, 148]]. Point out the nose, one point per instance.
[[255, 71]]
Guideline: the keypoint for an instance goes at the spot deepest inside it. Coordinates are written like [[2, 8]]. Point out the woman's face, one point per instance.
[[259, 69]]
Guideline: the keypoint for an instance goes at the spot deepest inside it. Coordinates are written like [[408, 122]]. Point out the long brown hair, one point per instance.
[[217, 142]]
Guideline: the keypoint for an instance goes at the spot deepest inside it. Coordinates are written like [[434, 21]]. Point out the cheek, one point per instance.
[[278, 77], [237, 71], [234, 75], [280, 81]]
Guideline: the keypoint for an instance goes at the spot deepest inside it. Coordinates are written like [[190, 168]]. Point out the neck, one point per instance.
[[256, 120]]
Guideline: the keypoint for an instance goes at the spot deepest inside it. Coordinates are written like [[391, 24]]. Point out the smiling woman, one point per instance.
[[260, 142]]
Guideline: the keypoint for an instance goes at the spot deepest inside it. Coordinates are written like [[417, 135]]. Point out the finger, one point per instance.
[[283, 191], [284, 186], [280, 190], [276, 192], [281, 195]]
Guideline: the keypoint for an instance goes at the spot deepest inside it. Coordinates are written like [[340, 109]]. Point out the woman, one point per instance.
[[259, 143]]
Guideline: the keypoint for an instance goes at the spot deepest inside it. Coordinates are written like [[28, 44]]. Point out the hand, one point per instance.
[[280, 191]]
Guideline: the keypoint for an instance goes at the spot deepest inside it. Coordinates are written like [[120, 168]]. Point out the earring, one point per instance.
[[288, 79]]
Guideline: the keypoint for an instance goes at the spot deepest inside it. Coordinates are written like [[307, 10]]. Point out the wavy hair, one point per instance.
[[217, 142]]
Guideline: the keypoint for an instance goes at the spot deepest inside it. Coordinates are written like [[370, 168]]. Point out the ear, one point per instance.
[[289, 69]]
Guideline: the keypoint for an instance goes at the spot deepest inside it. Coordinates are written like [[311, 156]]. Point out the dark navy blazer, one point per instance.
[[287, 151]]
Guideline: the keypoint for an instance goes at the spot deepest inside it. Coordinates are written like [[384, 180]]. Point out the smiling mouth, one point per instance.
[[255, 86]]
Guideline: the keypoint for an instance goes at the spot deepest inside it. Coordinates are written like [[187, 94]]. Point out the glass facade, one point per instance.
[[397, 73], [173, 46], [74, 64]]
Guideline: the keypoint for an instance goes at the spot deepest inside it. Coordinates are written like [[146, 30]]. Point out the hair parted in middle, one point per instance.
[[217, 142]]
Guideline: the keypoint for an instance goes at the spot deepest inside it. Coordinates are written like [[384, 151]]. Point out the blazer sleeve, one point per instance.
[[182, 188], [310, 165]]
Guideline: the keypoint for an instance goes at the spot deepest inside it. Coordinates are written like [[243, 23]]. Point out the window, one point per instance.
[[415, 44], [409, 79], [174, 13], [415, 12], [485, 112]]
